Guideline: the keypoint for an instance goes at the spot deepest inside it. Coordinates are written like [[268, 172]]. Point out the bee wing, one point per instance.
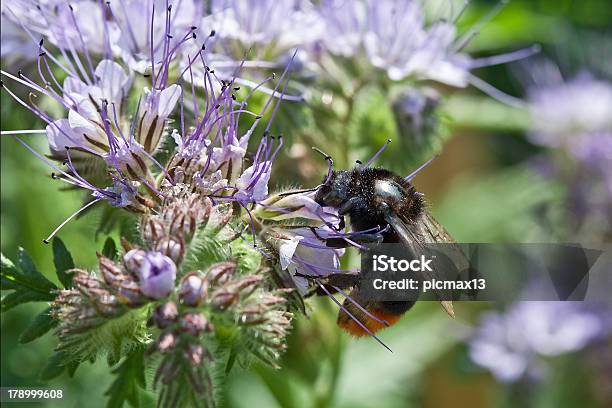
[[432, 231], [426, 230]]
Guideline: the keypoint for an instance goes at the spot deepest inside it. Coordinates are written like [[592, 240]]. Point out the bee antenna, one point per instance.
[[412, 175], [382, 149], [330, 163]]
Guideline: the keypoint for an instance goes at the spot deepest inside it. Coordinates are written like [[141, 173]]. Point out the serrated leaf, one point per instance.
[[39, 326], [63, 262], [28, 284], [110, 249], [130, 381], [114, 352], [56, 365]]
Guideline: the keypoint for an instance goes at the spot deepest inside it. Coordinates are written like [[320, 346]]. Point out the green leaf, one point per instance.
[[63, 262], [110, 249], [28, 284], [57, 363], [39, 326], [130, 381]]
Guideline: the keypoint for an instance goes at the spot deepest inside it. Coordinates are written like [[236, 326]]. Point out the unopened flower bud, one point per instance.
[[224, 298], [152, 229], [193, 289], [133, 259], [220, 273], [110, 271], [164, 315], [246, 285], [183, 216], [417, 119], [166, 342], [174, 248], [195, 324], [155, 271], [220, 216], [120, 283], [196, 353], [129, 293], [252, 315], [230, 293]]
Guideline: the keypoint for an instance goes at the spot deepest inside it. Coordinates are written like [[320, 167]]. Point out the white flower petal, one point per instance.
[[286, 249], [114, 81], [167, 100]]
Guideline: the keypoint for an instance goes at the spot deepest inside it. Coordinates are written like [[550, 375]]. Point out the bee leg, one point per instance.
[[338, 279], [375, 238], [347, 206], [368, 238]]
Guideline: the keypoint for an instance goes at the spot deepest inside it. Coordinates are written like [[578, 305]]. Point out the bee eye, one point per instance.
[[321, 194]]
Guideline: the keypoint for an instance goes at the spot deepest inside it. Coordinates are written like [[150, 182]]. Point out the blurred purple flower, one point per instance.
[[155, 29], [282, 24], [594, 151], [132, 30], [395, 37], [575, 117], [511, 344], [564, 112], [16, 44]]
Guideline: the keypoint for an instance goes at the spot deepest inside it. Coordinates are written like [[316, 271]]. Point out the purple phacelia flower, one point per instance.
[[84, 128], [252, 185], [157, 107], [99, 137], [156, 272], [304, 254], [16, 44], [287, 205]]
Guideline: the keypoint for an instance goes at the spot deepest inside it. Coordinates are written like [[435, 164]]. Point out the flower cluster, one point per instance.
[[203, 278]]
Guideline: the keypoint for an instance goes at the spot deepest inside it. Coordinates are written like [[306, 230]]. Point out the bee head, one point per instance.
[[332, 192]]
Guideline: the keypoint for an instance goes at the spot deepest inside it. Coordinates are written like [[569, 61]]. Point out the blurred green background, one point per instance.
[[480, 189]]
